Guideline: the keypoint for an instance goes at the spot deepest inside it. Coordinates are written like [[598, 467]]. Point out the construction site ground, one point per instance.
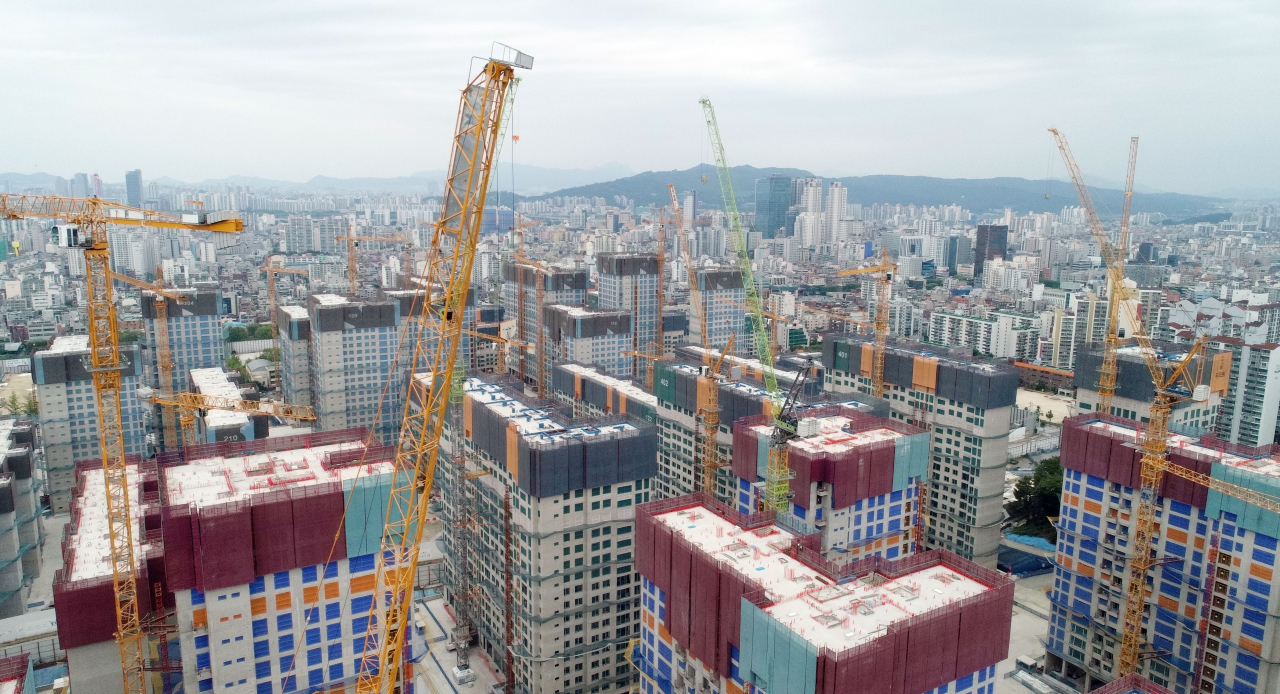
[[1030, 626], [1061, 406], [15, 384], [434, 671]]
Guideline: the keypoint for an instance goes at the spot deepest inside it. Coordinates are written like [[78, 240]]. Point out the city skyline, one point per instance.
[[956, 95]]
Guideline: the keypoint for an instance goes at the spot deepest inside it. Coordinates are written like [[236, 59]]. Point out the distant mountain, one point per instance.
[[977, 195], [17, 183], [1249, 194], [530, 180]]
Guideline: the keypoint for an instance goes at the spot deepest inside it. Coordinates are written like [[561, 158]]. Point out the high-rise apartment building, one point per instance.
[[573, 490], [676, 386], [69, 410], [523, 286], [723, 304], [80, 186], [992, 242], [1209, 623], [1135, 391], [21, 515], [297, 234], [836, 206], [690, 209], [1000, 334], [967, 406], [773, 197], [1249, 407], [590, 336], [734, 603], [213, 426], [272, 583], [857, 479], [294, 326], [628, 282], [133, 187], [352, 353], [195, 333]]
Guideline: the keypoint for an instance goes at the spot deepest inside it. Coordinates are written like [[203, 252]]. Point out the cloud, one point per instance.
[[294, 89]]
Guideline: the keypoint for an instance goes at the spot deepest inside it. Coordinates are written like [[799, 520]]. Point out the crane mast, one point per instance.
[[92, 217], [446, 277], [739, 240]]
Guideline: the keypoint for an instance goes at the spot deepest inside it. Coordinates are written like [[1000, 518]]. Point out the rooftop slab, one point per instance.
[[823, 612]]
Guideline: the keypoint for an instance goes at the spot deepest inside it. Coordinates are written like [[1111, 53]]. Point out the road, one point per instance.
[[435, 669]]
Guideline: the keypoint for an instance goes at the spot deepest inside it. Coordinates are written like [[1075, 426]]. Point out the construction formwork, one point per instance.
[[16, 674], [714, 609]]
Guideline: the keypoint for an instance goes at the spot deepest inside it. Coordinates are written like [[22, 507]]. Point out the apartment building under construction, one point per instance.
[[1210, 623], [570, 487], [967, 406], [734, 603], [271, 582]]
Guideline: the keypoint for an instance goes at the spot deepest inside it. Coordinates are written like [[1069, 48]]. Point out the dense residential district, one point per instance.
[[958, 513]]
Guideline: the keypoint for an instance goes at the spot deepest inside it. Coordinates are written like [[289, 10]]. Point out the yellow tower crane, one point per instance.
[[447, 277], [1154, 437], [164, 353], [92, 217], [884, 288], [353, 241], [707, 417]]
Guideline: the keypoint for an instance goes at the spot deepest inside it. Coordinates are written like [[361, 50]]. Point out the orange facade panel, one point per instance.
[[868, 354], [513, 450], [467, 404], [1220, 374], [924, 374]]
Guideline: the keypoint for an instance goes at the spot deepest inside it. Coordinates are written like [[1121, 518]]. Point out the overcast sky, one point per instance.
[[290, 90]]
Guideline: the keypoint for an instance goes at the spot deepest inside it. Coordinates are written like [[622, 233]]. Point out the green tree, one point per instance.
[[1037, 499], [237, 334], [234, 364], [270, 354], [30, 407], [13, 404], [128, 337], [1049, 415], [260, 331]]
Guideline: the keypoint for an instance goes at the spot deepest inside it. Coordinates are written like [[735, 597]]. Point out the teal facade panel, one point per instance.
[[910, 459], [774, 657], [366, 498], [1248, 516]]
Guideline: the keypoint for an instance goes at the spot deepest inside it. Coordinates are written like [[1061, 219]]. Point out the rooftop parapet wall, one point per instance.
[[668, 560], [556, 280], [1132, 684], [627, 263], [588, 383], [200, 303], [1108, 447]]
